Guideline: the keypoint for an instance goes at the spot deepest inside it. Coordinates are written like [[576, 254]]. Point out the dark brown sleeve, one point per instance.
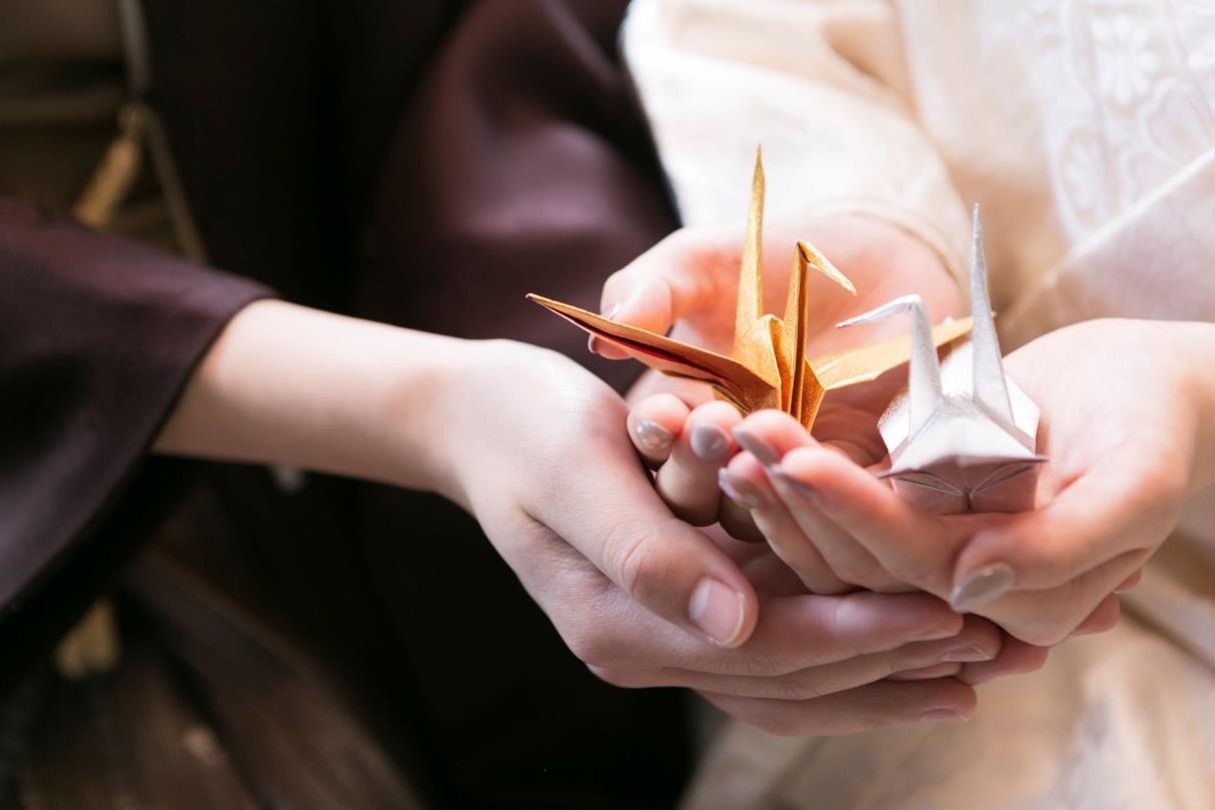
[[97, 337]]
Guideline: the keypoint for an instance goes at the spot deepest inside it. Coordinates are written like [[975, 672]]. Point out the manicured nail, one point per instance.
[[652, 437], [593, 341], [717, 609], [926, 673], [764, 453], [968, 654], [935, 634], [942, 716], [799, 488], [982, 587], [709, 442], [739, 490]]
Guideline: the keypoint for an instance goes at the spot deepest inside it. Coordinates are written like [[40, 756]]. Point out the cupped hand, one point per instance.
[[690, 281], [1120, 423], [644, 599]]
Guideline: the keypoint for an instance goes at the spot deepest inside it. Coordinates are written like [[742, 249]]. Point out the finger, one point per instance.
[[1104, 617], [978, 641], [1130, 582], [653, 425], [799, 632], [736, 519], [686, 272], [746, 483], [1048, 617], [913, 547], [772, 436], [850, 560], [875, 705], [610, 631], [927, 673], [1108, 512], [1015, 658], [688, 480], [666, 565], [795, 633]]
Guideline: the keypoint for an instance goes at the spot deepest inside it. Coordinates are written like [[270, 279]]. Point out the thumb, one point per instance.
[[686, 272], [618, 522], [1103, 515]]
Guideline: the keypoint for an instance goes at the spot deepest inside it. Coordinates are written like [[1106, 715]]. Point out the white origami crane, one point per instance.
[[963, 436]]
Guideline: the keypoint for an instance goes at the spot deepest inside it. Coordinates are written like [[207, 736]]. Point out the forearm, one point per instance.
[[290, 385]]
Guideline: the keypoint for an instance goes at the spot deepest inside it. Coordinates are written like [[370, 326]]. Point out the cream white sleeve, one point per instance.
[[821, 84]]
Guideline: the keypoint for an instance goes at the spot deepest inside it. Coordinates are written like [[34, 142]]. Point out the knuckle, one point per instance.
[[633, 558], [860, 574], [783, 724], [623, 678], [596, 649]]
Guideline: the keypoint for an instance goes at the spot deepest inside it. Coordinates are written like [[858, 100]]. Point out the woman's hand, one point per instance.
[[1123, 426], [644, 599], [691, 280], [534, 446]]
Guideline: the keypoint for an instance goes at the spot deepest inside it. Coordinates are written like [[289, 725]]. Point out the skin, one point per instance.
[[1122, 424], [1123, 407], [640, 596], [689, 281]]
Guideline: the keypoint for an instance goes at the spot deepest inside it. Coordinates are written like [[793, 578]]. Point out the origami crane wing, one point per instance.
[[962, 437], [735, 381]]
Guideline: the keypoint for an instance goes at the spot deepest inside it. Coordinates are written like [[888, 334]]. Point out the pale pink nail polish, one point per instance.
[[739, 490], [764, 453], [982, 587], [942, 716], [709, 442], [652, 437]]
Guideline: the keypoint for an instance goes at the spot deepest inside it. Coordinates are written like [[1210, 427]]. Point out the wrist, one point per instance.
[[1195, 347], [290, 385]]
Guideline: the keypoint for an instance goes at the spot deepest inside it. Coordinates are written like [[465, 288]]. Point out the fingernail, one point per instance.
[[968, 654], [801, 489], [942, 716], [652, 437], [593, 341], [765, 453], [927, 673], [936, 634], [981, 588], [739, 490], [709, 442], [717, 609]]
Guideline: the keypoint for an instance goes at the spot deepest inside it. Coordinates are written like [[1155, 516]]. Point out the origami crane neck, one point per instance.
[[990, 387], [924, 392]]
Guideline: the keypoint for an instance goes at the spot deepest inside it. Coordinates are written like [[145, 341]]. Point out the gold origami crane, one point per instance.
[[767, 366]]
